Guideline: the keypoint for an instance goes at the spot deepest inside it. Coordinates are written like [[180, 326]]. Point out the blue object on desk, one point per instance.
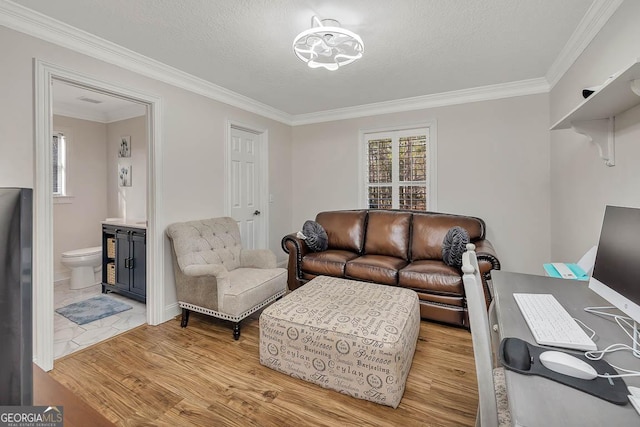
[[575, 268]]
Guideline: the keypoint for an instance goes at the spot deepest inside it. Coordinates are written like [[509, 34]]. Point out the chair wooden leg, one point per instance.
[[236, 331], [185, 318]]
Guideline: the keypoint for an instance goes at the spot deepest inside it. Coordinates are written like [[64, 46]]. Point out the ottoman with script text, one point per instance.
[[353, 337]]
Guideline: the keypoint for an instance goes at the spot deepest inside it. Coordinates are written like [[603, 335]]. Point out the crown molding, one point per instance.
[[464, 96], [35, 24], [591, 24], [24, 20]]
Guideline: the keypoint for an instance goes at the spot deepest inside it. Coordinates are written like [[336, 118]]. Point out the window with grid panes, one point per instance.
[[58, 160], [397, 169]]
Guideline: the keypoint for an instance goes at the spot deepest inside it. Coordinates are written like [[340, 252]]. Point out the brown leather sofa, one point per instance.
[[398, 248]]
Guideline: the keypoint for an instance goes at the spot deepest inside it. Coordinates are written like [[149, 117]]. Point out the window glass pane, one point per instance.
[[380, 198], [413, 158], [413, 197], [397, 169], [56, 163], [379, 160]]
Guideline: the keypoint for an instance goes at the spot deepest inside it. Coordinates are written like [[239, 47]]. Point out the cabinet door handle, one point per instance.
[[126, 263], [131, 262]]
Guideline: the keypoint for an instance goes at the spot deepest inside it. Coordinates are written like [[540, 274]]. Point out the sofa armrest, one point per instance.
[[297, 249], [487, 254], [257, 258], [216, 270], [292, 244], [204, 285], [487, 261]]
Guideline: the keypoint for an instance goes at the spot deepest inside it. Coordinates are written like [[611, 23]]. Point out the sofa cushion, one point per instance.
[[428, 232], [388, 234], [345, 229], [330, 262], [433, 276], [375, 268], [252, 286]]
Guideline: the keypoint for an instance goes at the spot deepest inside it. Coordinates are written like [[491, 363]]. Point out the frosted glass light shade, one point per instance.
[[327, 46]]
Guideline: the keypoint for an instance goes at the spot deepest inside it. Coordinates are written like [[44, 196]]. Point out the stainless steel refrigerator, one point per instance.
[[16, 248]]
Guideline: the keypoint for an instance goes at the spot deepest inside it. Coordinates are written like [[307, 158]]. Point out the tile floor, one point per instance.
[[70, 337]]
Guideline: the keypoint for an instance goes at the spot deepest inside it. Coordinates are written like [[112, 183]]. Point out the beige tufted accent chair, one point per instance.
[[216, 276]]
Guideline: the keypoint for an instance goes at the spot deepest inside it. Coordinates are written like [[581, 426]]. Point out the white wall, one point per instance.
[[76, 224], [493, 162], [127, 202], [193, 132], [581, 183], [495, 159]]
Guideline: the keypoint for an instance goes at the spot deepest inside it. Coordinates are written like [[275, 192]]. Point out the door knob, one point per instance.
[[257, 212]]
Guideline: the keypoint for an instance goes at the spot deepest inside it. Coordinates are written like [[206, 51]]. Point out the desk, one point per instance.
[[537, 401]]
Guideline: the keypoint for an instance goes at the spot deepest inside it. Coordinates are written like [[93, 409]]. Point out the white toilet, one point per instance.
[[85, 265]]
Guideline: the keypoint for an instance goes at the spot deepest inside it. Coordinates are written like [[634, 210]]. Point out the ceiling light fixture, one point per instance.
[[327, 45]]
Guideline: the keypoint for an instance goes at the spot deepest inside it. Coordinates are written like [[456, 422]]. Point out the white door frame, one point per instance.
[[43, 276], [263, 147]]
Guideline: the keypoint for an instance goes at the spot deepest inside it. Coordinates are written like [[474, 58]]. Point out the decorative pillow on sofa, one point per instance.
[[454, 245], [315, 236]]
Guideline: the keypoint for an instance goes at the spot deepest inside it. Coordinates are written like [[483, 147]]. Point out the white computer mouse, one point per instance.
[[567, 364]]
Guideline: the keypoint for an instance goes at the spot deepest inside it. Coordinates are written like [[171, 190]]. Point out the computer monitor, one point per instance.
[[616, 273]]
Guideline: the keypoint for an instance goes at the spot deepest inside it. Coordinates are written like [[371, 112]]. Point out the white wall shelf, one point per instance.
[[595, 116]]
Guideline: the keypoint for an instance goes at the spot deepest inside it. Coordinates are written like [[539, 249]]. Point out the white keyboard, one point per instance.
[[551, 324]]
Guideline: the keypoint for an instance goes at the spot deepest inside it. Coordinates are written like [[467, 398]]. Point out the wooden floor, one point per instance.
[[76, 412], [199, 376]]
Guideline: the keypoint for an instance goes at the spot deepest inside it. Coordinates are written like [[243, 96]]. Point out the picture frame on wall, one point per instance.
[[125, 146], [124, 175]]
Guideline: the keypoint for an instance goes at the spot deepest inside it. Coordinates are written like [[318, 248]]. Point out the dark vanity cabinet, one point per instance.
[[124, 261]]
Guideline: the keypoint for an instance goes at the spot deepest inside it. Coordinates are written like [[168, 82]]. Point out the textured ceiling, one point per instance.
[[412, 47]]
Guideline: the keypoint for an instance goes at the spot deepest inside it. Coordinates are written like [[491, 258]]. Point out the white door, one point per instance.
[[245, 189]]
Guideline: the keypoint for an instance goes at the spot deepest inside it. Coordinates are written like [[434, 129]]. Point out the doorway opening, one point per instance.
[[87, 157], [43, 272]]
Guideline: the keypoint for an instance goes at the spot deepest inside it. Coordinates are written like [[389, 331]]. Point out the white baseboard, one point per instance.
[[62, 278], [170, 311]]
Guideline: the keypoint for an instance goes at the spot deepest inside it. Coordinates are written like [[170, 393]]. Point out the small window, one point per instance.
[[399, 169], [59, 160]]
